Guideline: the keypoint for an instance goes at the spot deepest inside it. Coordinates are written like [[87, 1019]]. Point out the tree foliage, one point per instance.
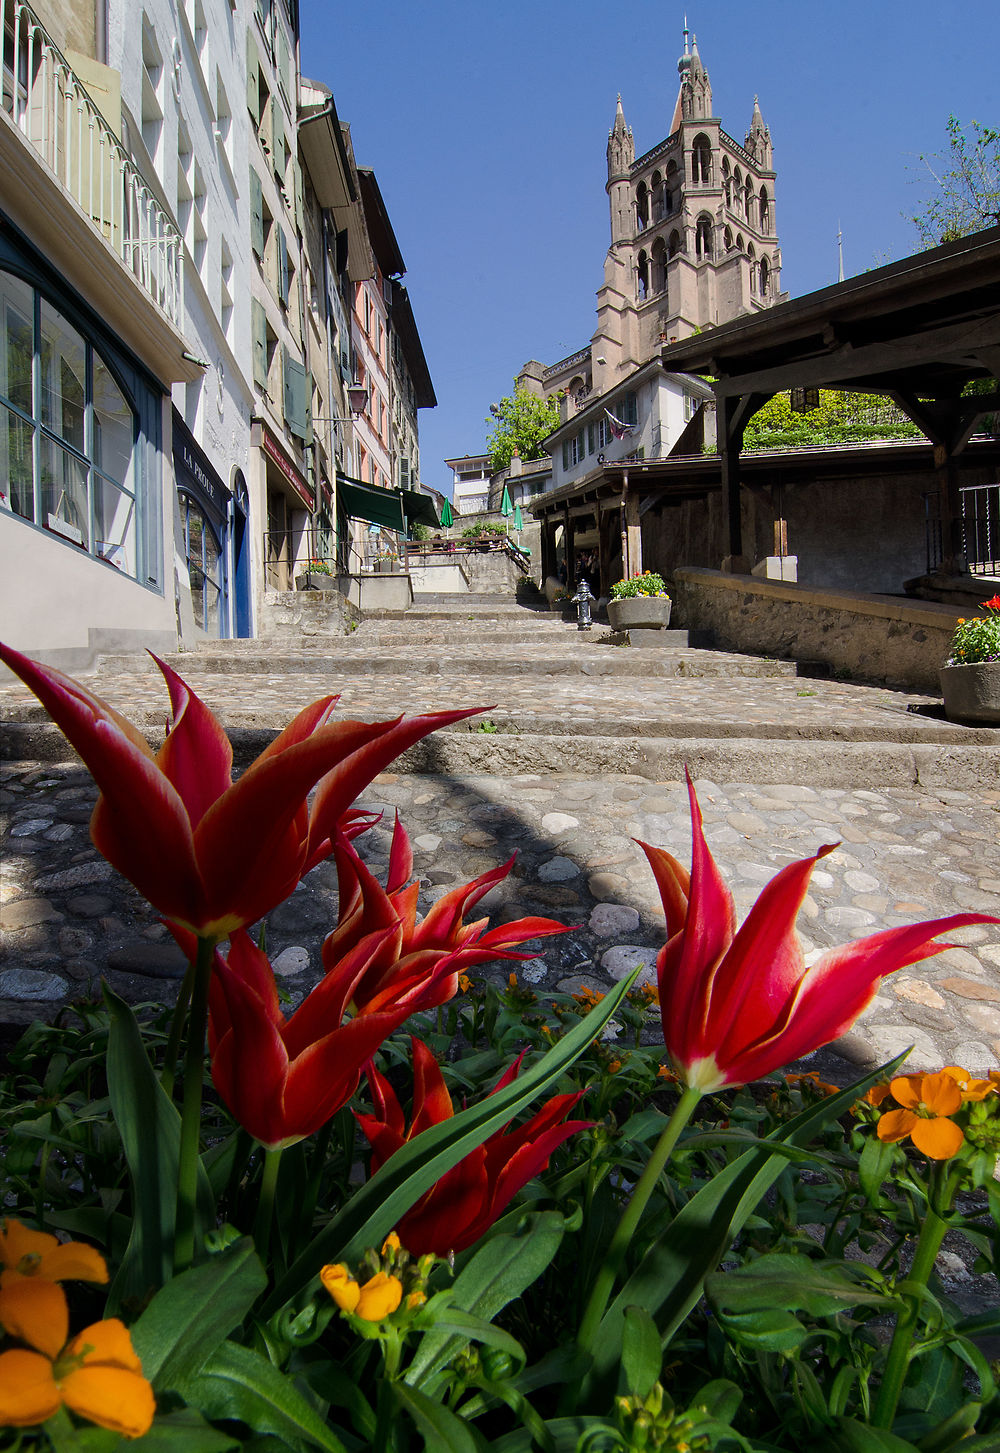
[[842, 418], [520, 420], [965, 195]]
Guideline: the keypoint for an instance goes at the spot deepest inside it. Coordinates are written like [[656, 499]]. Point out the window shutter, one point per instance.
[[294, 380], [253, 84], [308, 436], [565, 453], [277, 140], [299, 203], [283, 61], [256, 214], [258, 324], [282, 266]]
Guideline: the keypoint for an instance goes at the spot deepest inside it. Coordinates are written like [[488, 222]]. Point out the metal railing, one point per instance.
[[50, 106], [981, 528], [980, 524]]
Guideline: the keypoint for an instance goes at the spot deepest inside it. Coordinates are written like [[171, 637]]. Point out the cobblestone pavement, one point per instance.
[[68, 919], [804, 707]]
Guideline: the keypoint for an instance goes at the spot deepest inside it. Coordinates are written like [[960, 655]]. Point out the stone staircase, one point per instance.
[[555, 699]]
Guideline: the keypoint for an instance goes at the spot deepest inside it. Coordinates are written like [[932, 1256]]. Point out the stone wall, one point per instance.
[[877, 638], [311, 613]]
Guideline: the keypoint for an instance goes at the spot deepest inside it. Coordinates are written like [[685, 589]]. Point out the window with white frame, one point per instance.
[[67, 430]]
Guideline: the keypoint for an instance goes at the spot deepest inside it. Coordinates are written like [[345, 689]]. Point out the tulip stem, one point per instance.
[[617, 1251], [928, 1245], [194, 1072], [265, 1201]]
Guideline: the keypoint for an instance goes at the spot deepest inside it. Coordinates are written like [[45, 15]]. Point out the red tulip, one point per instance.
[[209, 854], [466, 1201], [283, 1079], [737, 1005], [416, 953]]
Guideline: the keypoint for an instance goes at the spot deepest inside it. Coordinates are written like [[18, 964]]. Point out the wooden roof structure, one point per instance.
[[918, 331]]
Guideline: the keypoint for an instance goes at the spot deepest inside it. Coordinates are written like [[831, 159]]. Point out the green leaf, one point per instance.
[[850, 1436], [642, 1355], [952, 1430], [150, 1128], [237, 1383], [718, 1399], [796, 1284], [875, 1167], [441, 1429], [377, 1207], [190, 1316], [498, 1272], [669, 1279], [565, 1434], [183, 1431]]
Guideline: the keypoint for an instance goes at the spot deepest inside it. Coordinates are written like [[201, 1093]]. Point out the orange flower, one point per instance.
[[97, 1376], [875, 1095], [377, 1299], [811, 1080], [32, 1304], [971, 1088], [928, 1101]]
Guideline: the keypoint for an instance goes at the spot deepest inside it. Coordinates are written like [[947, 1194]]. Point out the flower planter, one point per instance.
[[972, 693], [639, 613]]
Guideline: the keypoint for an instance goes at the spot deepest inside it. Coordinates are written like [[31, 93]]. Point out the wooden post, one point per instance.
[[780, 537]]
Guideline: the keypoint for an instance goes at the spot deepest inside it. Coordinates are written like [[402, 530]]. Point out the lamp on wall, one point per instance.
[[357, 400]]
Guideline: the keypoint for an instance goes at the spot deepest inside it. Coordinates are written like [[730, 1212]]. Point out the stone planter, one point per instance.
[[972, 693], [315, 580], [639, 613]]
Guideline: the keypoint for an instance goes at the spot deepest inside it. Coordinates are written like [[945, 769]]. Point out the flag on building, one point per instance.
[[619, 429]]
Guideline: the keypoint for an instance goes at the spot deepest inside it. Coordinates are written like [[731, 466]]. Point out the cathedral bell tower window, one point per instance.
[[703, 239]]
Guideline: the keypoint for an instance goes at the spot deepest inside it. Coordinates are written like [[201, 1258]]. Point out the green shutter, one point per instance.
[[277, 140], [253, 84], [282, 266], [283, 61], [258, 325], [256, 214], [308, 436], [294, 380], [300, 212]]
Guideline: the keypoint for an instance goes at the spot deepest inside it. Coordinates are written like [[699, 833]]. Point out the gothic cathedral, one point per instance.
[[693, 238]]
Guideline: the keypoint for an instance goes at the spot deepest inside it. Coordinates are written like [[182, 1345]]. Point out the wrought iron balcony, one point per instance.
[[51, 108]]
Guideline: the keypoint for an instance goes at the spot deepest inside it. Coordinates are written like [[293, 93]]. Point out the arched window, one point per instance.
[[748, 203], [728, 239], [642, 277], [727, 182], [752, 258], [703, 238], [739, 242], [765, 278], [659, 265], [701, 160], [656, 194], [765, 211], [674, 243], [641, 207]]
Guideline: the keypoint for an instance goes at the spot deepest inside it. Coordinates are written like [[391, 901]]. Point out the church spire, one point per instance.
[[621, 155], [758, 138], [695, 95]]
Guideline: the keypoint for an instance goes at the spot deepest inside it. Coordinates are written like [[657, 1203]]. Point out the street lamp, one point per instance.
[[357, 400]]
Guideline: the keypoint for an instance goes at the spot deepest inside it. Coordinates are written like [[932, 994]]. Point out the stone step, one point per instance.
[[764, 759], [447, 659]]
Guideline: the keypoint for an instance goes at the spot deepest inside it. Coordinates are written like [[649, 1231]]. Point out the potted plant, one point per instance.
[[970, 678], [639, 603], [317, 576]]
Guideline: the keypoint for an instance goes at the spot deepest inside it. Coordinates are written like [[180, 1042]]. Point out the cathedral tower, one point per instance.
[[693, 235]]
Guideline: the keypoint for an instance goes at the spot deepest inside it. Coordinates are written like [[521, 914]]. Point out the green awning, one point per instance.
[[364, 502], [419, 509]]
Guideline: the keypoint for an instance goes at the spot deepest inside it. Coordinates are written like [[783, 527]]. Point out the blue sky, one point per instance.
[[486, 125]]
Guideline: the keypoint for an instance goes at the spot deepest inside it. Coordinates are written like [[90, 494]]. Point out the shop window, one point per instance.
[[68, 432]]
